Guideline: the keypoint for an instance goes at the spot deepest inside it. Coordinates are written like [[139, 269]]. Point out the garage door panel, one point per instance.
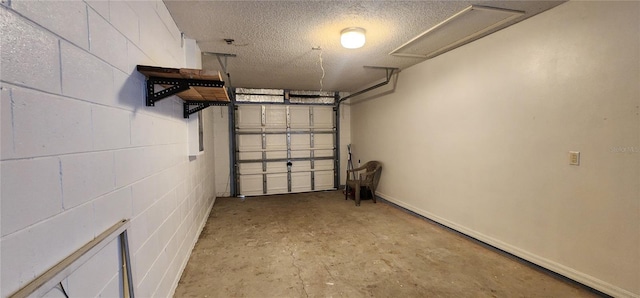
[[279, 132], [324, 180], [276, 154], [249, 116], [324, 141], [301, 154], [299, 116], [250, 142], [276, 116], [251, 184], [252, 155], [277, 183], [277, 167], [299, 166], [276, 142], [323, 153], [301, 182], [323, 165], [322, 117], [250, 168], [300, 141]]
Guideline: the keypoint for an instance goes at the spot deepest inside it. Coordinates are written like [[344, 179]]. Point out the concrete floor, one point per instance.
[[319, 245]]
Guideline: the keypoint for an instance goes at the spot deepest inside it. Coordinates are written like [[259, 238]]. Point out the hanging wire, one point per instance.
[[321, 67]]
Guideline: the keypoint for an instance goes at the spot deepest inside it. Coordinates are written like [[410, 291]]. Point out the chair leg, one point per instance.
[[357, 194], [346, 192], [373, 195]]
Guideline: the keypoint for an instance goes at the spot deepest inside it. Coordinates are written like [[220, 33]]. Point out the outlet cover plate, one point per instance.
[[574, 158]]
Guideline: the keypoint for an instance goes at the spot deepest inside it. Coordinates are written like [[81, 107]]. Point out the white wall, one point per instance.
[[478, 139], [80, 150]]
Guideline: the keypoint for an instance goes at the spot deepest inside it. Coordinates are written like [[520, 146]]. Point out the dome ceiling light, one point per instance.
[[352, 37]]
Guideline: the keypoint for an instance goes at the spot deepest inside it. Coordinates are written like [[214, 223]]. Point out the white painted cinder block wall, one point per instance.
[[478, 139], [80, 150]]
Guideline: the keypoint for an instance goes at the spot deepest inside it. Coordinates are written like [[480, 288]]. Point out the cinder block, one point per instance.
[[154, 276], [85, 76], [158, 212], [167, 233], [90, 279], [31, 192], [6, 123], [165, 126], [131, 165], [144, 129], [137, 232], [180, 214], [146, 256], [111, 208], [29, 252], [183, 138], [46, 124], [111, 128], [112, 289], [99, 6], [165, 156], [167, 20], [181, 191], [170, 279], [65, 18], [29, 56], [135, 56], [181, 232], [86, 176], [184, 208], [164, 183], [144, 193], [155, 39], [180, 133], [125, 20], [106, 42], [170, 107], [130, 90]]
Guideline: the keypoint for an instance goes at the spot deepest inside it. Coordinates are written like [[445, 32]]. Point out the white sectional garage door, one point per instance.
[[284, 148]]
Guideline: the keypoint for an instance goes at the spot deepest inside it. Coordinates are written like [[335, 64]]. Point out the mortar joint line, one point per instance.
[[13, 125], [60, 173]]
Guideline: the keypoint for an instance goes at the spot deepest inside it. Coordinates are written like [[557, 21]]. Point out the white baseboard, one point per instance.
[[568, 272]]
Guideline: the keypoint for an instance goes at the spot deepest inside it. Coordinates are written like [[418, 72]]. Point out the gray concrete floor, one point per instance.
[[319, 245]]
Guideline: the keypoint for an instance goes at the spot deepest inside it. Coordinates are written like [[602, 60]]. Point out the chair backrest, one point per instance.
[[376, 168]]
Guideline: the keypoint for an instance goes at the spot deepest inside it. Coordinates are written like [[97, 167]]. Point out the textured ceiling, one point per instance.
[[274, 39]]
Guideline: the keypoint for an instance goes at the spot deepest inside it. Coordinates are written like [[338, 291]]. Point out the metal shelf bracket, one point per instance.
[[177, 86], [192, 106]]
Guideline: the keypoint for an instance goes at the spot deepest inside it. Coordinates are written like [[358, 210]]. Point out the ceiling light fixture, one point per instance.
[[352, 38]]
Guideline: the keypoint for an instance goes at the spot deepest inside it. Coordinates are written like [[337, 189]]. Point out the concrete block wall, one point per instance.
[[80, 150]]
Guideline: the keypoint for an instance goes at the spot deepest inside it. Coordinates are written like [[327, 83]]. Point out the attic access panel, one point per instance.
[[465, 26]]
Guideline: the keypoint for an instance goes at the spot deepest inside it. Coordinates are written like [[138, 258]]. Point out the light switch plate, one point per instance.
[[574, 158]]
